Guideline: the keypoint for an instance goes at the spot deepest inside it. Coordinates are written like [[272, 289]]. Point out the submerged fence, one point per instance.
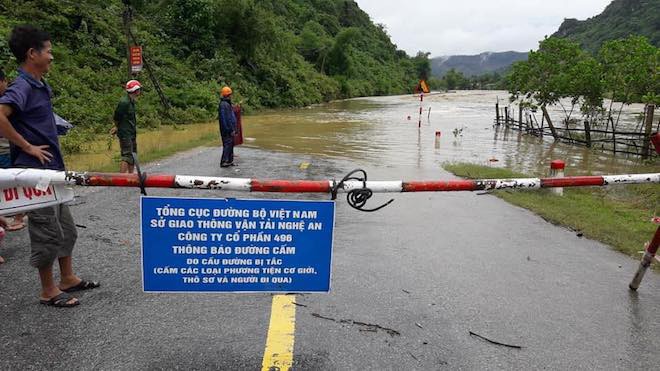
[[601, 134]]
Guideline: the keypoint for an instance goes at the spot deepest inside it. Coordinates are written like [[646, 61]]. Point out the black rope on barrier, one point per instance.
[[358, 197], [142, 177]]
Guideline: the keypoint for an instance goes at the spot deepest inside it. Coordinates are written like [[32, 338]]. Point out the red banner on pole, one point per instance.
[[136, 59]]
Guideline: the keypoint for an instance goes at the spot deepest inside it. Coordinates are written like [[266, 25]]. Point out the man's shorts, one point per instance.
[[52, 234], [127, 146], [5, 161]]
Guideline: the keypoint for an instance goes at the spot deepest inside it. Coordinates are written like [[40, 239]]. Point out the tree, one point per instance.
[[631, 68], [339, 61], [315, 44], [422, 65], [559, 69], [455, 80]]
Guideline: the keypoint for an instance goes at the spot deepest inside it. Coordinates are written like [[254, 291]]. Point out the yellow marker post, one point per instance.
[[278, 354]]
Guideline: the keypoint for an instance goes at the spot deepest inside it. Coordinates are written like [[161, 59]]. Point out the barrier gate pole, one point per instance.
[[647, 259]]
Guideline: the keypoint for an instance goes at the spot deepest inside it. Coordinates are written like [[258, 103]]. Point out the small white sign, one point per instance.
[[20, 199]]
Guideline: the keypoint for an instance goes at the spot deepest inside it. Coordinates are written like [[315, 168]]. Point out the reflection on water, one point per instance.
[[377, 131]]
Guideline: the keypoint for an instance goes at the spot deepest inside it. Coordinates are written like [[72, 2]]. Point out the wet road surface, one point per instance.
[[408, 284]]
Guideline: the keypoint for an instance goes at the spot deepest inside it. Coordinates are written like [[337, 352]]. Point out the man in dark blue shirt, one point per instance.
[[27, 121]]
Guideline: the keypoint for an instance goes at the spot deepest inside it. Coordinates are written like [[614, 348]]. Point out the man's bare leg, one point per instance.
[[48, 288], [124, 167], [67, 277]]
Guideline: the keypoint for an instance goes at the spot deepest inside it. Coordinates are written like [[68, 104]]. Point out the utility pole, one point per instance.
[[128, 17], [130, 38]]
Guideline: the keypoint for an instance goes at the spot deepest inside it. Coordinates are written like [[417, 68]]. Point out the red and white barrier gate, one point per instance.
[[47, 182], [41, 179]]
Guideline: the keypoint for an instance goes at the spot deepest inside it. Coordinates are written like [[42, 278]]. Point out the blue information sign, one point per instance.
[[229, 245]]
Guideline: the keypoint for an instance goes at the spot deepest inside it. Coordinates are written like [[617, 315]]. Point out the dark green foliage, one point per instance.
[[628, 68], [632, 68], [274, 53]]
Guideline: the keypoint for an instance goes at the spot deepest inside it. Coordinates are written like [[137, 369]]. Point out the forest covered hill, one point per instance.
[[274, 53], [620, 19]]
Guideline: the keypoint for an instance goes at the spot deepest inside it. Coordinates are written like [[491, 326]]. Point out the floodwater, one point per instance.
[[377, 130]]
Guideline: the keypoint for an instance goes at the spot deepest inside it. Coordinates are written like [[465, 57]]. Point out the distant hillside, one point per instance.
[[472, 65], [620, 19]]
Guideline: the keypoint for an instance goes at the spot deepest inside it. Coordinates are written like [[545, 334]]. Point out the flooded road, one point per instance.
[[377, 130], [431, 268]]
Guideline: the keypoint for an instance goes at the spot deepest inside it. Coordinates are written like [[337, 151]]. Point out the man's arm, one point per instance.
[[116, 118], [8, 131]]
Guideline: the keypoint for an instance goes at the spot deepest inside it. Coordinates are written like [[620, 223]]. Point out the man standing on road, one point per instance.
[[227, 127], [27, 121], [126, 126]]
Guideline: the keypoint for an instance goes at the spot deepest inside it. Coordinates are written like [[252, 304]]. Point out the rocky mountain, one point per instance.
[[620, 19]]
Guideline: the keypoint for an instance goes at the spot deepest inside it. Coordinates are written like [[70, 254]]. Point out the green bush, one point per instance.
[[285, 53]]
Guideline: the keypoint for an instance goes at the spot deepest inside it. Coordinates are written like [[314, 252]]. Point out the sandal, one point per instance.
[[62, 300], [15, 227], [83, 285]]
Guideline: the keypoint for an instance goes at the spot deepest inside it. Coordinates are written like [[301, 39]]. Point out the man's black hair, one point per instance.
[[24, 38], [3, 77]]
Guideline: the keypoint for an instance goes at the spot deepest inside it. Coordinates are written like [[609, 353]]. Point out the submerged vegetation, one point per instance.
[[274, 53]]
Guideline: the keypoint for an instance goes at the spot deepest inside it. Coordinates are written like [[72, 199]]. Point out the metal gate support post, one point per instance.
[[647, 259]]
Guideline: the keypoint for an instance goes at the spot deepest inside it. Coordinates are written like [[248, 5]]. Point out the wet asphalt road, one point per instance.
[[431, 267]]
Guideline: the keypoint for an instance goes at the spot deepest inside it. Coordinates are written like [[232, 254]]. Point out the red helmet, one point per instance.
[[133, 86]]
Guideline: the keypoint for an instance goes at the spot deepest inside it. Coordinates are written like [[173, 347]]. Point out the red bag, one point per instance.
[[655, 139], [238, 138]]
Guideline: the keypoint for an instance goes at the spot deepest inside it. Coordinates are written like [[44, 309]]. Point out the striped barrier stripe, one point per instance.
[[43, 178]]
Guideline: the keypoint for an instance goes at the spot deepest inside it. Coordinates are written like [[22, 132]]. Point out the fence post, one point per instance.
[[557, 171], [649, 254], [587, 132], [520, 117], [646, 146], [506, 116], [550, 125], [497, 113]]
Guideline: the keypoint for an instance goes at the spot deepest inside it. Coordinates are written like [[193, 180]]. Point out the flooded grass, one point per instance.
[[617, 216], [103, 154]]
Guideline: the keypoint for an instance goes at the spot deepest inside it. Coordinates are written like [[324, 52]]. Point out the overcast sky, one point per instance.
[[451, 27]]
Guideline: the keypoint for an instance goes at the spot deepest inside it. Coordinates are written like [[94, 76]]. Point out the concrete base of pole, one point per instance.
[[557, 171]]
